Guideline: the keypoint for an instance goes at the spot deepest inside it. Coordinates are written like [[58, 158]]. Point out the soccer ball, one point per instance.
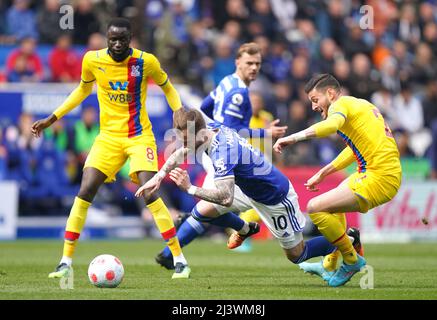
[[106, 271]]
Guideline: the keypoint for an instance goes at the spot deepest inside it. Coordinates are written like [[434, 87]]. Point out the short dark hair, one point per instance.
[[119, 23], [182, 116], [322, 82]]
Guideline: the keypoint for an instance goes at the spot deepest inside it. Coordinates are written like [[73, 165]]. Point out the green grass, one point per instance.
[[401, 271]]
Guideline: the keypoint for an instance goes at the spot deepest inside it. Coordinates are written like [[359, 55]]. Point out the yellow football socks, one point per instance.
[[330, 261], [333, 230], [165, 225], [250, 216], [75, 224]]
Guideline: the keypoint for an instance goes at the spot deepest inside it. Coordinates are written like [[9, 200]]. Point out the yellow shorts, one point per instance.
[[108, 154], [374, 189]]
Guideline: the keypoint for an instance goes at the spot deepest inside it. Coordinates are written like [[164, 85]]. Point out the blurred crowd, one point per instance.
[[381, 50]]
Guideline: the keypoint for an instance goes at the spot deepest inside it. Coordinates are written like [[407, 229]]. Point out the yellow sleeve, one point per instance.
[[329, 126], [161, 79], [87, 74], [172, 96], [74, 99], [344, 159]]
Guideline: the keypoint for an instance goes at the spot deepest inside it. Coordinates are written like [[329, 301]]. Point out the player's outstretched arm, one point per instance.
[[39, 125], [222, 195], [74, 99], [316, 179], [172, 162], [293, 138]]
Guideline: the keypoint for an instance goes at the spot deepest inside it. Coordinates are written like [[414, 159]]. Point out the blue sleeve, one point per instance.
[[207, 106], [250, 133], [237, 114], [224, 159]]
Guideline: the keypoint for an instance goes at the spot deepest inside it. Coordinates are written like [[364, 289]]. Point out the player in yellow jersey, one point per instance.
[[121, 74], [370, 143]]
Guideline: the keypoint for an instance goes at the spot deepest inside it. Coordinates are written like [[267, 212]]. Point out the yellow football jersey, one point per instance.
[[122, 89], [262, 121], [368, 136]]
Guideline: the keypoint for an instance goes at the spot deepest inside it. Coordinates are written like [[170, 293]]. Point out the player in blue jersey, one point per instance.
[[243, 179], [228, 104]]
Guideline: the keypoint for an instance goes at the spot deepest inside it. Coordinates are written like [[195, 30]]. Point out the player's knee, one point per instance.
[[87, 192], [312, 206], [198, 216]]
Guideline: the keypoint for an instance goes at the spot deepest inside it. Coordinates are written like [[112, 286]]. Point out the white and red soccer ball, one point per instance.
[[106, 271]]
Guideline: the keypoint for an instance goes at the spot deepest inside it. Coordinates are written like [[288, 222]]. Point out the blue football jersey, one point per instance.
[[233, 155], [229, 104]]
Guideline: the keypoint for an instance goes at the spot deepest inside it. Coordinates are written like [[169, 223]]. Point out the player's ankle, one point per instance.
[[245, 229]]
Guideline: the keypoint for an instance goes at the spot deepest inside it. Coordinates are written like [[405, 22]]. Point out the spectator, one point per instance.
[[408, 28], [262, 16], [20, 73], [403, 58], [29, 66], [303, 153], [3, 158], [424, 66], [383, 22], [300, 74], [22, 150], [430, 104], [21, 21], [282, 93], [354, 42], [234, 10], [383, 99], [389, 75], [200, 56], [48, 18], [408, 110], [85, 131], [171, 47], [277, 64], [430, 36], [232, 29], [309, 37], [409, 118], [96, 41], [361, 83], [329, 52], [65, 64], [430, 119], [61, 139], [85, 21], [224, 59], [285, 12], [427, 14], [3, 25], [331, 22], [341, 72], [260, 119]]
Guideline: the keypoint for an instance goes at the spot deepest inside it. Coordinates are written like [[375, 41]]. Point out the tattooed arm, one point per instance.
[[172, 162], [222, 195]]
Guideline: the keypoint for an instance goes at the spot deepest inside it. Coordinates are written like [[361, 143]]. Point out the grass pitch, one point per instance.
[[401, 271]]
